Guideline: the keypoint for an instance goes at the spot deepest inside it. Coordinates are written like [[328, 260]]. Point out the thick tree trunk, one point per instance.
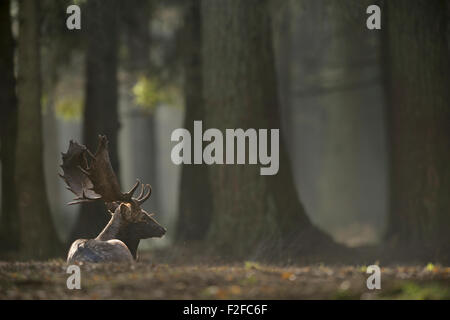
[[100, 110], [418, 74], [195, 195], [9, 223], [38, 237], [254, 215]]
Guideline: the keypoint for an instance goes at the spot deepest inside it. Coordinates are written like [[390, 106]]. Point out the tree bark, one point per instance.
[[101, 103], [254, 216], [195, 195], [38, 238], [418, 82], [9, 224]]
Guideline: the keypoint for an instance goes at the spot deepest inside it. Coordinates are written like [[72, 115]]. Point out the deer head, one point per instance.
[[91, 178]]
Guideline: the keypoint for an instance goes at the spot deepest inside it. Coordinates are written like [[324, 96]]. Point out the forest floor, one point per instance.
[[245, 280]]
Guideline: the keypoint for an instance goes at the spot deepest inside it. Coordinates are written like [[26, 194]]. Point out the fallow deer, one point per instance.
[[95, 180]]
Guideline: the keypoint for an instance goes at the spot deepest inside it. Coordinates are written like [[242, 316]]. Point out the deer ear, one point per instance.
[[123, 208]]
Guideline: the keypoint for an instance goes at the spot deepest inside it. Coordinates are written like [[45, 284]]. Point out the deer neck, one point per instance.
[[112, 229], [117, 229], [130, 240]]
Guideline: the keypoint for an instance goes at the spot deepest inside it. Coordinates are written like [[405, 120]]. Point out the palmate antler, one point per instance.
[[94, 179]]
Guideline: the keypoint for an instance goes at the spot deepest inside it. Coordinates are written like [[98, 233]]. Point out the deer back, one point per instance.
[[93, 250]]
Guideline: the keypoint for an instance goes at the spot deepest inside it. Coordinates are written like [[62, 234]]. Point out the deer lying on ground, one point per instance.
[[95, 180]]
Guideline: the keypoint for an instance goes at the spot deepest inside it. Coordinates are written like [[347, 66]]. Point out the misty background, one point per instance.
[[363, 113], [328, 72]]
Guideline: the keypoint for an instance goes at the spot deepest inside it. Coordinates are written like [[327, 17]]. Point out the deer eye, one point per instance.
[[140, 217]]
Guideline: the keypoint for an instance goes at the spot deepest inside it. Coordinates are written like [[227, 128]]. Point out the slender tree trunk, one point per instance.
[[137, 15], [9, 223], [38, 237], [254, 215], [418, 74], [100, 109], [136, 18], [195, 195], [284, 40]]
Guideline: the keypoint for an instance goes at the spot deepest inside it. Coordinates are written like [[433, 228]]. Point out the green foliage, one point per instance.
[[69, 109], [149, 93], [430, 267], [417, 291], [251, 265], [345, 295]]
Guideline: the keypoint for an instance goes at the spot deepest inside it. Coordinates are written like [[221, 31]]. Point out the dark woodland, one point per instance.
[[363, 156]]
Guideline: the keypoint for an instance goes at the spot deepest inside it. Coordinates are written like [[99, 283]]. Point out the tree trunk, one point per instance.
[[254, 215], [195, 195], [9, 223], [38, 238], [100, 109], [136, 18], [418, 77], [284, 40]]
